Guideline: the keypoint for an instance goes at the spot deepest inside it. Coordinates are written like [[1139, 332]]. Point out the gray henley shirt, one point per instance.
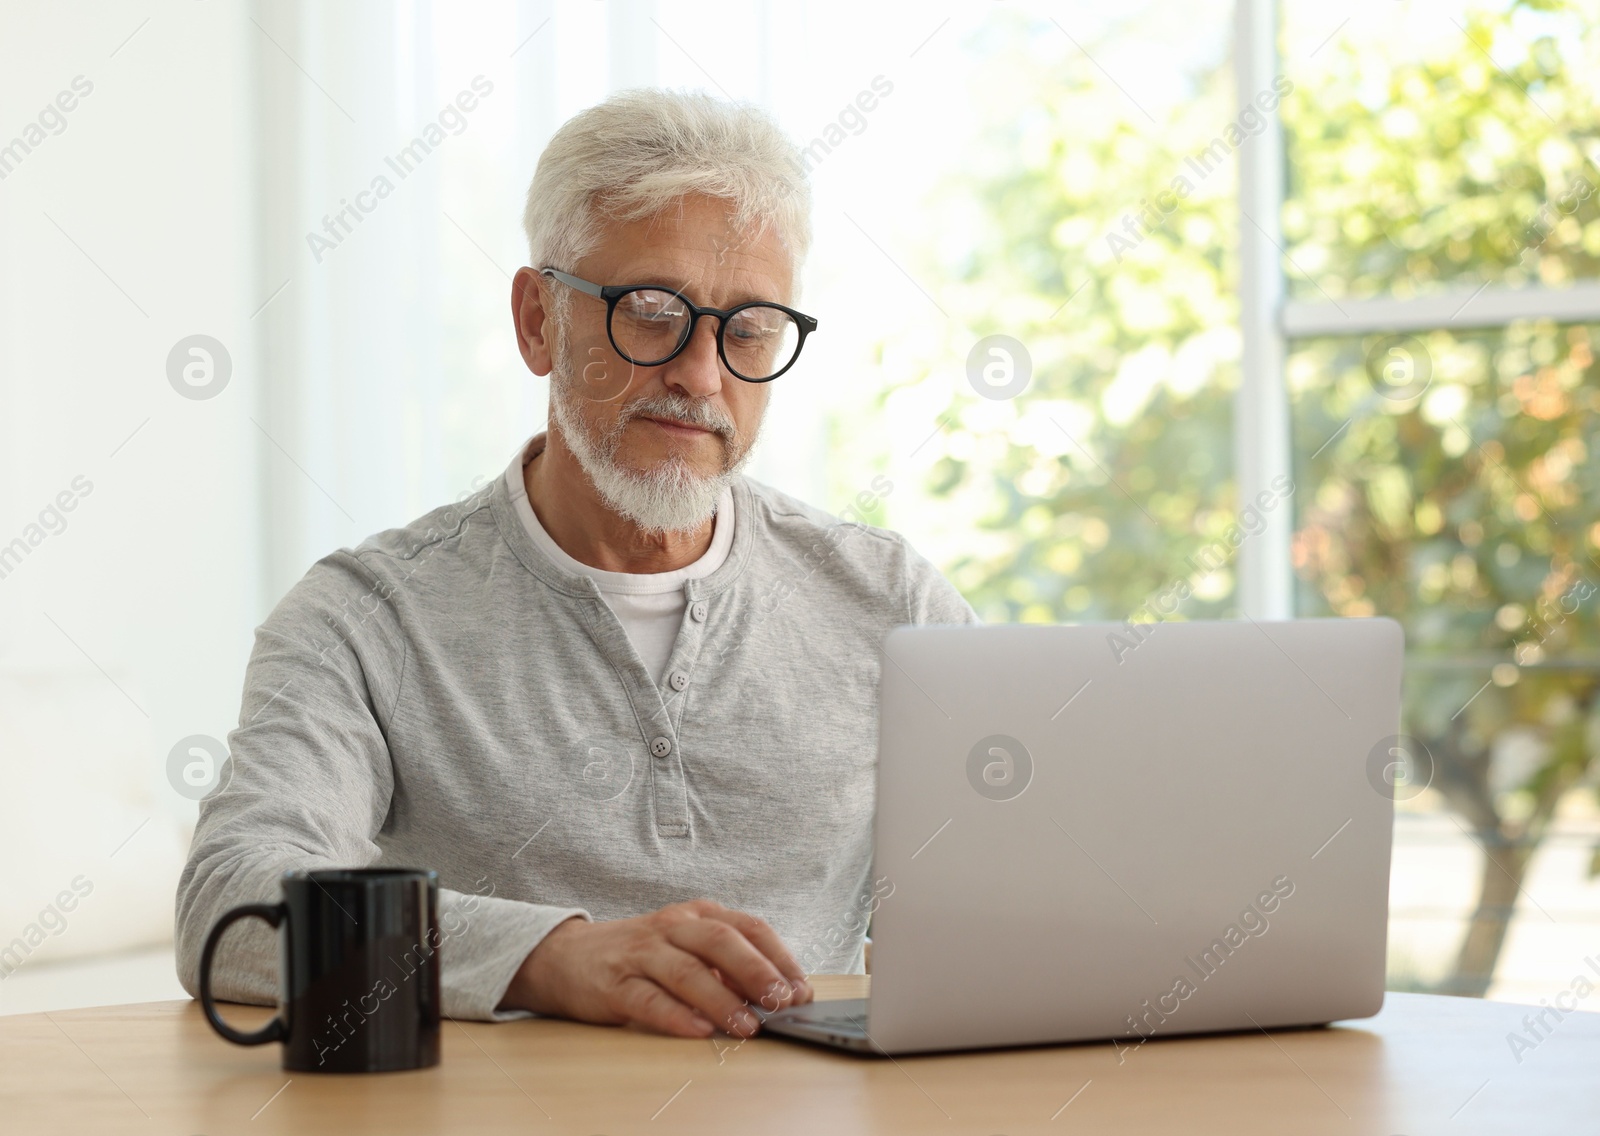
[[444, 696]]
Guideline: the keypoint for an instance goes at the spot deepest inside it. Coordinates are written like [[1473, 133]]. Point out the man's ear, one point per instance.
[[533, 322]]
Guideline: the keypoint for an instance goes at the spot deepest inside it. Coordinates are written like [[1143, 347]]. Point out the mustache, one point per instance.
[[679, 408]]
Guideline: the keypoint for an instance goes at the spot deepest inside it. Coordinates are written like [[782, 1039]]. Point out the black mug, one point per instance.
[[359, 978]]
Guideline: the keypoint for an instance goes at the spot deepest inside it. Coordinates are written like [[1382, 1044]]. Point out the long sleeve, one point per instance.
[[447, 696], [310, 785]]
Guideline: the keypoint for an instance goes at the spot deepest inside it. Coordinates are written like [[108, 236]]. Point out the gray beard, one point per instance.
[[669, 498]]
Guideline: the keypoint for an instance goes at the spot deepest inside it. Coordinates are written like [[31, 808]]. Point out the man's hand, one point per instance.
[[686, 970]]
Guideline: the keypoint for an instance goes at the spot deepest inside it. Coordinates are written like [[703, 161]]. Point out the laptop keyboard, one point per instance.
[[844, 1016]]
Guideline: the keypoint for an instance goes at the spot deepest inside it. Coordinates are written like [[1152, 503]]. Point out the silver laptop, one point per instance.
[[1100, 832]]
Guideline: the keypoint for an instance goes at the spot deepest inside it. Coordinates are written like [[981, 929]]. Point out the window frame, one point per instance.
[[1268, 320]]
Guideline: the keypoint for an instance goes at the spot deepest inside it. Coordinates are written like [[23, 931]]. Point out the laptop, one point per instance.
[[1126, 832]]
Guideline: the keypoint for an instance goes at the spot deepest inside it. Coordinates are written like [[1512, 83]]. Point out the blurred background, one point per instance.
[[1345, 254]]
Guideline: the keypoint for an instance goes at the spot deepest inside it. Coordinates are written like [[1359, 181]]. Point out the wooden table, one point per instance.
[[1425, 1065]]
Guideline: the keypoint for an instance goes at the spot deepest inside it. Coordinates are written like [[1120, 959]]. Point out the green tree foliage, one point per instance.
[[1460, 496], [1114, 466], [1463, 505]]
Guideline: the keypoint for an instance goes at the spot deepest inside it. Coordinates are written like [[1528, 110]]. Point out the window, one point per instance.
[[1442, 232], [1389, 308]]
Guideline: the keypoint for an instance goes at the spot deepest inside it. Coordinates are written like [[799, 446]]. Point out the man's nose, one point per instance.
[[697, 371]]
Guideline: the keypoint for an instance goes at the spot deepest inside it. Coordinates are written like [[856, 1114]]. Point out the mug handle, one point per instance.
[[274, 1030]]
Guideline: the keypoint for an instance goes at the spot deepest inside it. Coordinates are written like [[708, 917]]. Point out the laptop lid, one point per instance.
[[1102, 831]]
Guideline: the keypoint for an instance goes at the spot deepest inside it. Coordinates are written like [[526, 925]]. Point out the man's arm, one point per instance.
[[685, 970], [310, 787], [930, 598]]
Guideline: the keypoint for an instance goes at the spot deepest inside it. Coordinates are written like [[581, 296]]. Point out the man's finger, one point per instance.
[[750, 972], [689, 980], [769, 943], [644, 1003]]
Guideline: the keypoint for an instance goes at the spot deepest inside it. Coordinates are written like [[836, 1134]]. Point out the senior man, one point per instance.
[[623, 699]]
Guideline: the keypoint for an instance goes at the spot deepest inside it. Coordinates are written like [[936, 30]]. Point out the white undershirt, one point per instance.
[[649, 605]]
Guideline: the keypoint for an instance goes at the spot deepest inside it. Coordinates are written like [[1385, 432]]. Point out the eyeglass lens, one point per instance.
[[649, 324]]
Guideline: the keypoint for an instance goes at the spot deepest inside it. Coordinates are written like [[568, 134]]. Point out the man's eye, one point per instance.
[[653, 307], [748, 331]]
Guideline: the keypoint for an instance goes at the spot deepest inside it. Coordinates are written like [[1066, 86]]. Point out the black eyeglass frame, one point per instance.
[[612, 293]]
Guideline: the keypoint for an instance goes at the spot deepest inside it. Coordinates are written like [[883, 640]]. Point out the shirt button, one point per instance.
[[678, 680], [661, 746], [698, 611]]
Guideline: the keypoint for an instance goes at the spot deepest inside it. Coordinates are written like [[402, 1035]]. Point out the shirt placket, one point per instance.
[[659, 709], [666, 728]]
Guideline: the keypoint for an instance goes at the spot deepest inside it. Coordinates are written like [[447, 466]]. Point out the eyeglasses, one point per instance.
[[650, 325]]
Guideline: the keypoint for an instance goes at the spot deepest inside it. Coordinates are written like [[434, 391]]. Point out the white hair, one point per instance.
[[640, 151], [668, 498], [671, 497]]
